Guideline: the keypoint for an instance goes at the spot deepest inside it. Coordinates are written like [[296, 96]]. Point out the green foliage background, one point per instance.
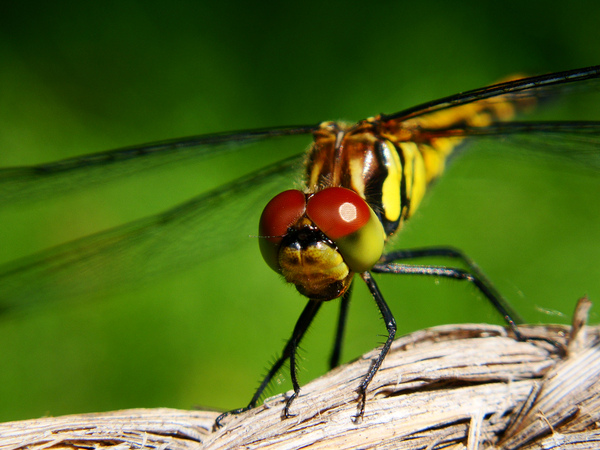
[[80, 77]]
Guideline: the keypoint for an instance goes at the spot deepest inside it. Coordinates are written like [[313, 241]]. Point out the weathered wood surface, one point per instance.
[[466, 386]]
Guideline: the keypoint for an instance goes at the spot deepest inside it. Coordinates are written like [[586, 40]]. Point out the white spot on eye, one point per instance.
[[347, 212]]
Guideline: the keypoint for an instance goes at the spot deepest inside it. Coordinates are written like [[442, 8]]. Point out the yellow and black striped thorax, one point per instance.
[[391, 163]]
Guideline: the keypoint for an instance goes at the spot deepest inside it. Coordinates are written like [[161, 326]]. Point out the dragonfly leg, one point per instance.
[[289, 351], [390, 324], [334, 359], [473, 274], [307, 316]]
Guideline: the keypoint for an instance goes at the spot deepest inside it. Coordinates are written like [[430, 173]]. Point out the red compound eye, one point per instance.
[[338, 212], [281, 213]]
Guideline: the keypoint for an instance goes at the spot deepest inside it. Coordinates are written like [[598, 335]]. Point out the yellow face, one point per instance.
[[317, 269]]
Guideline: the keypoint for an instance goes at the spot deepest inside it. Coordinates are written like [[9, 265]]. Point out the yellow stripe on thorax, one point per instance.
[[390, 195], [415, 176]]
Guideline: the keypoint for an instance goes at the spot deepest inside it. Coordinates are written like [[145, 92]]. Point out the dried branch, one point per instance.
[[458, 386]]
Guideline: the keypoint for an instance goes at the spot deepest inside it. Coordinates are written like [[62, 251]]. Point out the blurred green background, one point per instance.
[[80, 77]]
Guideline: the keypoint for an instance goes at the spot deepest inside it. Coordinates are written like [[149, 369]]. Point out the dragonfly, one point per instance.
[[362, 182]]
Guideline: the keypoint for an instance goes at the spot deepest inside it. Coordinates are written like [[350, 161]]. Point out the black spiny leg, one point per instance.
[[334, 359], [289, 351], [473, 275], [390, 324], [307, 316]]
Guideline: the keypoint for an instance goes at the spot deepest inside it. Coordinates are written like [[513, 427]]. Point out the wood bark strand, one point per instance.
[[456, 386]]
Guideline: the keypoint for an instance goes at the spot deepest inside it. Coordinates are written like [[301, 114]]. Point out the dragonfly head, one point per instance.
[[318, 241]]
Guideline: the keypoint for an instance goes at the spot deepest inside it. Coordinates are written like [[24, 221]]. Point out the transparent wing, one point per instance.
[[34, 183], [574, 142], [174, 240], [538, 87]]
